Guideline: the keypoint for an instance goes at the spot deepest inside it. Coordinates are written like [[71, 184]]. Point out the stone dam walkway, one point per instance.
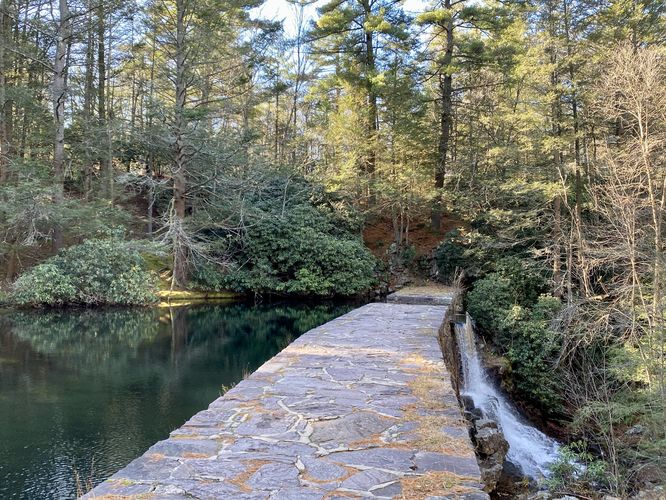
[[360, 407]]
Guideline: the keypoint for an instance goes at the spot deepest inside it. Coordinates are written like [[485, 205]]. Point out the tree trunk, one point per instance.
[[556, 132], [276, 124], [445, 123], [584, 283], [180, 254], [372, 126], [88, 95], [12, 265], [59, 97], [150, 160], [106, 164], [101, 65], [297, 82], [6, 116], [557, 249]]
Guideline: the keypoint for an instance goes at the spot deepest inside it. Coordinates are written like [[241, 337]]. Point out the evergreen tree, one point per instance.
[[351, 36]]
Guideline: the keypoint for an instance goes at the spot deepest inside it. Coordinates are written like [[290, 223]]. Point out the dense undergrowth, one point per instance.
[[571, 358], [293, 240]]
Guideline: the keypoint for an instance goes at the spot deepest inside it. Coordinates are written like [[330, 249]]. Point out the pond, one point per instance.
[[84, 392]]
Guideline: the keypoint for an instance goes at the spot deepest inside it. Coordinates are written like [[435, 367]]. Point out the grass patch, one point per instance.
[[435, 484]]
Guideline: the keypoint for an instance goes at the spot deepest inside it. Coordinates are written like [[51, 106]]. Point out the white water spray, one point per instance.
[[529, 448]]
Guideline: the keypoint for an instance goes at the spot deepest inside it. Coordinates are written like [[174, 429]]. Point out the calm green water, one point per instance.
[[82, 393]]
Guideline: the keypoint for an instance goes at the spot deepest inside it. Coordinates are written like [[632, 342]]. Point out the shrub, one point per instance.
[[45, 284], [295, 239], [527, 277], [502, 305], [515, 282], [207, 276], [489, 303], [462, 252], [450, 255], [94, 273], [576, 469], [303, 253], [507, 220], [532, 349]]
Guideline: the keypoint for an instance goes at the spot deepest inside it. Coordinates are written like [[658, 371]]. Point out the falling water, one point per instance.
[[529, 448]]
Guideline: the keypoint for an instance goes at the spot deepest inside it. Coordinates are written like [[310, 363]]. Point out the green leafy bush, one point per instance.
[[532, 348], [527, 278], [515, 282], [489, 303], [450, 255], [302, 253], [462, 251], [576, 469], [503, 306], [96, 272], [45, 284], [294, 239], [506, 220], [208, 276]]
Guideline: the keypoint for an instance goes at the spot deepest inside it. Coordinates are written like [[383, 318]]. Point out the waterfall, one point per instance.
[[529, 448]]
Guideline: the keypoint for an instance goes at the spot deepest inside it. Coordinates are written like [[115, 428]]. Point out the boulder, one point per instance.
[[490, 442], [512, 482], [467, 402], [485, 422], [491, 448], [490, 475]]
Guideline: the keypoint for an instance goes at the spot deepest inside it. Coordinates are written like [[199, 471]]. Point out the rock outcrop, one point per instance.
[[491, 449]]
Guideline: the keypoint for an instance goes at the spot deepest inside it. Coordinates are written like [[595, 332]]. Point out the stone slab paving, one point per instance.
[[360, 407], [438, 295]]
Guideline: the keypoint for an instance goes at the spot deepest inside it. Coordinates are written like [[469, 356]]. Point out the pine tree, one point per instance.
[[351, 35]]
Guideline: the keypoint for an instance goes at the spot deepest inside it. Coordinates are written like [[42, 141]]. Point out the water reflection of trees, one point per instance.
[[87, 337], [101, 339]]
